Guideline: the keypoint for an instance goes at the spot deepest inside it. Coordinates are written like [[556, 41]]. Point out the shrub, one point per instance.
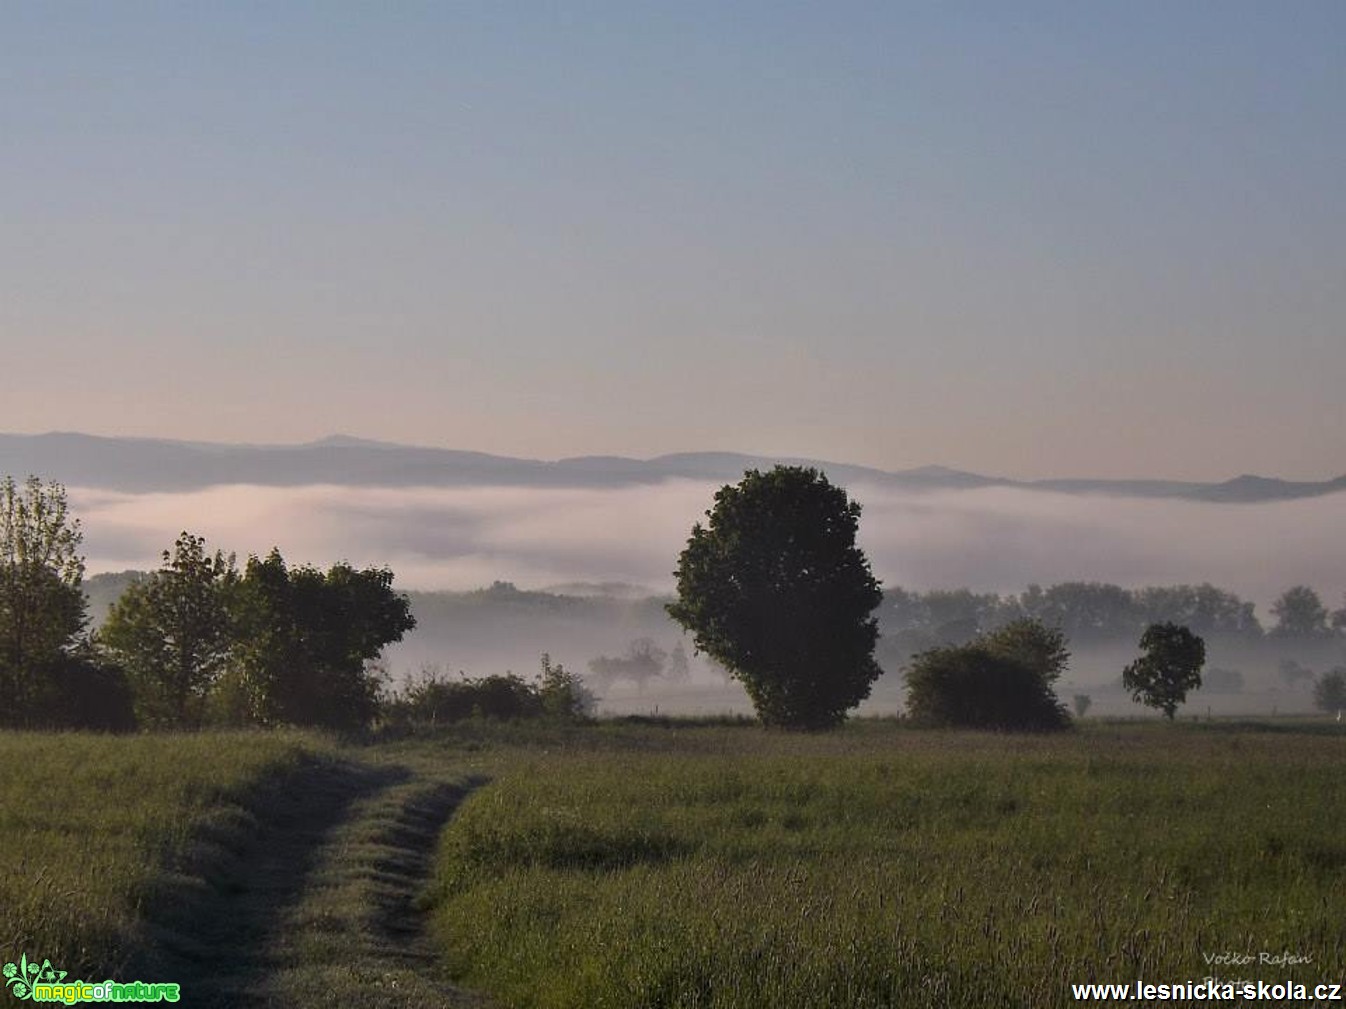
[[81, 692], [436, 700], [563, 693], [1001, 680]]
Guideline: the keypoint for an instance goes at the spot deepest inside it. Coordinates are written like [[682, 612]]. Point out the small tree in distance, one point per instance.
[[563, 693], [775, 589], [1170, 667], [643, 662], [1329, 693], [1300, 613]]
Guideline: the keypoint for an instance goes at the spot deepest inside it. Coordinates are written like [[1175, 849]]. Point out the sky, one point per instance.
[[1029, 240]]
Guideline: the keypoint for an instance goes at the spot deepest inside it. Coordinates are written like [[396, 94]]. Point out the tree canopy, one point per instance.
[[1168, 669], [307, 640], [775, 589], [644, 661], [172, 632], [1001, 680], [1300, 613], [1329, 692], [42, 609]]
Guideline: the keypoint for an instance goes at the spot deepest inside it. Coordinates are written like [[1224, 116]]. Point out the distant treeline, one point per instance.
[[470, 628], [1093, 613]]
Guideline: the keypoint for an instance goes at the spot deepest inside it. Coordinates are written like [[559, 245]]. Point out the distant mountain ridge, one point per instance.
[[148, 464]]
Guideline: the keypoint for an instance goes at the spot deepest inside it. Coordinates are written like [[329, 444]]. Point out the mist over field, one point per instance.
[[990, 539]]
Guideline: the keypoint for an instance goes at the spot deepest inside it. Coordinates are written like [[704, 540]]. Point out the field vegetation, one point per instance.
[[882, 866], [95, 828], [254, 869], [668, 863]]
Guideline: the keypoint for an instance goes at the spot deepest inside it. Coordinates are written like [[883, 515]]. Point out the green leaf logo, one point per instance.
[[20, 977]]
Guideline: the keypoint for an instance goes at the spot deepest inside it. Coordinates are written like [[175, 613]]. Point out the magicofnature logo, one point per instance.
[[41, 982], [22, 977]]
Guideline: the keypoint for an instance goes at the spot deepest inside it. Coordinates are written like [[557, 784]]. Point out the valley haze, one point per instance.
[[445, 519]]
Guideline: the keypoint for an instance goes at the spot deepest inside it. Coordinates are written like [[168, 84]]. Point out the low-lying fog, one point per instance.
[[989, 539], [992, 539]]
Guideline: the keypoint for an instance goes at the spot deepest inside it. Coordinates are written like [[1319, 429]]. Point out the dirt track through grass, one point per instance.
[[315, 906]]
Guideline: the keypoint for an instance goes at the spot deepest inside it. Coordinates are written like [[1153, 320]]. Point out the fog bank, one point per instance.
[[997, 539]]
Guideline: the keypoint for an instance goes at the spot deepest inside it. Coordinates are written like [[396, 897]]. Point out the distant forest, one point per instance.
[[607, 633]]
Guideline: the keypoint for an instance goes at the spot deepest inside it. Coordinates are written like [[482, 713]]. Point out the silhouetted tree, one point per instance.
[[1300, 613], [42, 608], [1329, 693], [308, 641], [1002, 680], [643, 661], [1085, 611], [172, 633], [1170, 667], [776, 590], [563, 694], [914, 621], [1202, 609]]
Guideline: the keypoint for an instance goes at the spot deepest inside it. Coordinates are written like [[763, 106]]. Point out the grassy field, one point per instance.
[[889, 867], [91, 828], [632, 865], [255, 869]]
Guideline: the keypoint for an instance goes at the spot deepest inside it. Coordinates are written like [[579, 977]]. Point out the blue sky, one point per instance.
[[1029, 239]]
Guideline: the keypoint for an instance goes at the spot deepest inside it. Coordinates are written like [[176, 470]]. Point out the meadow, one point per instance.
[[253, 868], [94, 828], [630, 864], [882, 866]]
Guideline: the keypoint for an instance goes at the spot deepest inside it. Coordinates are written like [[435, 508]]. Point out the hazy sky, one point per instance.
[[1029, 239]]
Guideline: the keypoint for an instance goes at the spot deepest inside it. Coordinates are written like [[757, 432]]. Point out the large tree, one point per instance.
[[1170, 667], [42, 608], [775, 589], [308, 641], [171, 632]]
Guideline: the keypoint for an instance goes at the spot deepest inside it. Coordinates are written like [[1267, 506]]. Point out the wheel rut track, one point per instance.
[[316, 904]]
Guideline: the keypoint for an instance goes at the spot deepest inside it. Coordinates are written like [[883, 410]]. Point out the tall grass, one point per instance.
[[91, 827], [883, 867]]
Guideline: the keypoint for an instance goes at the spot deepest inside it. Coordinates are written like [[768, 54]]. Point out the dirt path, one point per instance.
[[317, 906]]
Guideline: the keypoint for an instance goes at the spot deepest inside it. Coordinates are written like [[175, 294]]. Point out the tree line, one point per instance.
[[774, 587], [1094, 612], [197, 642]]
